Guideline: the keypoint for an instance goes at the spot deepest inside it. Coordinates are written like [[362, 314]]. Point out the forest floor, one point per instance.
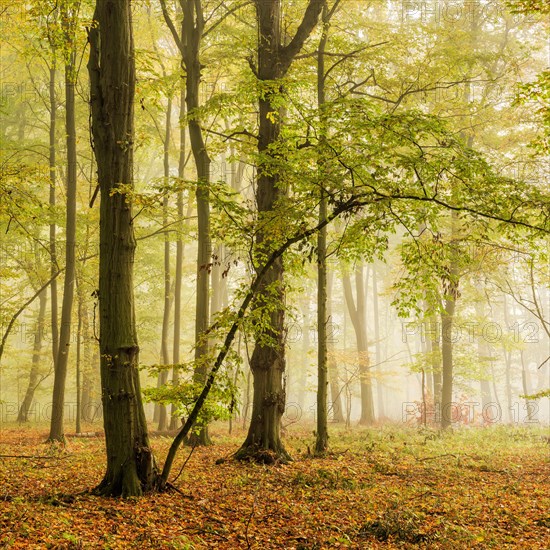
[[385, 487]]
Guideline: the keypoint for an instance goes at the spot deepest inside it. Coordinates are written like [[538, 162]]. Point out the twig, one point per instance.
[[184, 464], [251, 515]]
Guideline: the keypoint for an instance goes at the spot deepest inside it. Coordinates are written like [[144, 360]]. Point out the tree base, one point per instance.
[[200, 439], [254, 453]]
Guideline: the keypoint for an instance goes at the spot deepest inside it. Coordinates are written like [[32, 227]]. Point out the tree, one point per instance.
[[131, 468], [268, 358], [69, 16], [189, 43]]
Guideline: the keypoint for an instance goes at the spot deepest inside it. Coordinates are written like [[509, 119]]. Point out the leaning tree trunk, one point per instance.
[[131, 468]]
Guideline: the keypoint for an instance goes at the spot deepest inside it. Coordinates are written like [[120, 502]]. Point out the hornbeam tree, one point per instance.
[[131, 468]]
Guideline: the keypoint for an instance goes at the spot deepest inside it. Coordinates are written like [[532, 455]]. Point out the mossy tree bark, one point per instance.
[[131, 468]]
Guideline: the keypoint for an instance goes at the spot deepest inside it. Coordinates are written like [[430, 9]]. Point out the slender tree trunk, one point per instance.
[[434, 336], [508, 368], [526, 386], [80, 310], [192, 29], [180, 247], [164, 355], [378, 347], [87, 370], [61, 362], [336, 386], [131, 468], [357, 312], [54, 267], [23, 415], [447, 320], [321, 440]]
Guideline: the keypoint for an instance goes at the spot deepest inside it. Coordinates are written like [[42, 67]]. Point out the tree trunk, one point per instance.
[[378, 347], [267, 364], [192, 29], [61, 362], [508, 368], [321, 440], [54, 268], [131, 469], [447, 320], [357, 314], [23, 415], [180, 248], [435, 348], [164, 356], [336, 386]]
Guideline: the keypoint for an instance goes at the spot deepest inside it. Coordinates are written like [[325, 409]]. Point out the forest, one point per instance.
[[275, 274]]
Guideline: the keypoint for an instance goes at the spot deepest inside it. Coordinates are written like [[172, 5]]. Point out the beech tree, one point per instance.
[[131, 468], [267, 363]]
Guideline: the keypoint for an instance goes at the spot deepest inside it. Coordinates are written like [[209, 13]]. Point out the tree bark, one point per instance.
[[180, 248], [267, 364], [447, 321], [164, 355], [357, 312], [23, 415], [336, 385], [61, 361], [131, 468], [321, 439], [378, 354], [54, 267]]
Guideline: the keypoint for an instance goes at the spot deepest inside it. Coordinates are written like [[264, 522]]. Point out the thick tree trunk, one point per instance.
[[131, 468], [267, 364], [61, 362], [23, 415]]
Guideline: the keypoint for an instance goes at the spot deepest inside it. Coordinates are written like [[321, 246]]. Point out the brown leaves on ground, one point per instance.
[[379, 488]]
